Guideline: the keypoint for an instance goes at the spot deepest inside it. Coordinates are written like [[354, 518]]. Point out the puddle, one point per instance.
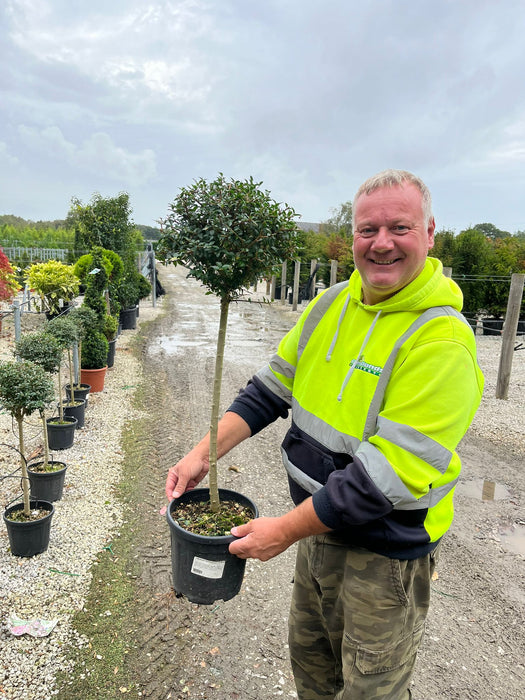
[[483, 490], [514, 538]]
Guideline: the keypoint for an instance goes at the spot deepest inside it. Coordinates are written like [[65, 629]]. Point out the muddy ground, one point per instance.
[[475, 641]]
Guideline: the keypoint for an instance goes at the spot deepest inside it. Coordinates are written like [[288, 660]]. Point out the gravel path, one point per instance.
[[475, 643]]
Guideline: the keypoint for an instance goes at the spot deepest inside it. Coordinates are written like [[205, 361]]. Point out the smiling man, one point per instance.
[[381, 378]]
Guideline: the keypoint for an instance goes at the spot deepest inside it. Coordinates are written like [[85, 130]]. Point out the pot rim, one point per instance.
[[223, 493]]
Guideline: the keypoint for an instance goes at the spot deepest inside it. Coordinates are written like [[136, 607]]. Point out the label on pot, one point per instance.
[[207, 568]]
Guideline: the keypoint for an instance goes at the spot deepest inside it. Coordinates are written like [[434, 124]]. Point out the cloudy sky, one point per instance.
[[308, 96]]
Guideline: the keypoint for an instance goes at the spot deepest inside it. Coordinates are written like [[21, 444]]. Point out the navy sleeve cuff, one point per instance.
[[258, 406], [350, 497]]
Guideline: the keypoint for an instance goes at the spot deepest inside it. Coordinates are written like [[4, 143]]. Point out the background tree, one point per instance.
[[104, 222], [444, 247], [472, 256], [340, 222], [491, 231]]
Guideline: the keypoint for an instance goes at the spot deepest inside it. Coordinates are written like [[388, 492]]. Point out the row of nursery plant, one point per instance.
[[33, 381]]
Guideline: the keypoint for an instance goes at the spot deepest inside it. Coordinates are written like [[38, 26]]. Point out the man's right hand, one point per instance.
[[186, 474]]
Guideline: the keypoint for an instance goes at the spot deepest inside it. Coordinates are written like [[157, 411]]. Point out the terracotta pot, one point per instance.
[[94, 377]]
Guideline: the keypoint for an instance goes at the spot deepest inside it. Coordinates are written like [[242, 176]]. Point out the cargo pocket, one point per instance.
[[369, 661]]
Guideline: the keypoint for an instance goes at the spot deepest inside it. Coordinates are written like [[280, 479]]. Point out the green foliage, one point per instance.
[[84, 318], [15, 231], [95, 348], [24, 388], [340, 248], [340, 222], [97, 280], [227, 233], [144, 287], [491, 231], [105, 222], [127, 292], [471, 257], [110, 327], [53, 281], [41, 348], [64, 330], [112, 262], [444, 247]]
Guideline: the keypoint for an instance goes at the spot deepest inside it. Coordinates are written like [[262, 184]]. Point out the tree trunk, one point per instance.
[[219, 357], [45, 438], [25, 477], [71, 378], [60, 407]]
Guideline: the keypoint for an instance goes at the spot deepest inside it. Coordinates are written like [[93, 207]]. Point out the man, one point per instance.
[[381, 377]]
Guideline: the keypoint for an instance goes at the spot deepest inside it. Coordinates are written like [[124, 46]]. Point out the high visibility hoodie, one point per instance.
[[380, 396]]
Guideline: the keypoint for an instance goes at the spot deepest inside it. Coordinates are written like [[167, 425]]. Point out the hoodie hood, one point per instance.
[[430, 288]]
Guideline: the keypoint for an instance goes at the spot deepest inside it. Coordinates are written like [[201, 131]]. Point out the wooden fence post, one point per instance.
[[283, 283], [295, 295], [273, 285], [447, 271], [509, 335], [311, 291], [333, 272]]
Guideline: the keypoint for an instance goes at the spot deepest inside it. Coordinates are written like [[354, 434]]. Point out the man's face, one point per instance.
[[391, 240]]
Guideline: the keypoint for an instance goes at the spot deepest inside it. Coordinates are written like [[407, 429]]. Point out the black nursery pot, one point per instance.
[[28, 539], [128, 319], [47, 486], [203, 569], [112, 346], [82, 392], [61, 435], [77, 411]]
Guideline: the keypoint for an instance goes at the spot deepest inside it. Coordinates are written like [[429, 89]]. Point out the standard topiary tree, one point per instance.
[[24, 388], [227, 233], [65, 332], [44, 350]]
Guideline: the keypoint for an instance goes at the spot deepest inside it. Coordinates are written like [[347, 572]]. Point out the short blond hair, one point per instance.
[[395, 178]]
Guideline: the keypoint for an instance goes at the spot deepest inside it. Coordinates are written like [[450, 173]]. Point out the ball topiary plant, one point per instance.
[[44, 350], [227, 233], [24, 388]]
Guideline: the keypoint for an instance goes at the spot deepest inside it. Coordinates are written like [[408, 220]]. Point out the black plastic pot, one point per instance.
[[111, 352], [81, 392], [61, 435], [203, 569], [128, 319], [77, 410], [46, 486], [28, 539]]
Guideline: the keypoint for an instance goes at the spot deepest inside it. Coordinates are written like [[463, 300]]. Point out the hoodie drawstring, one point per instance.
[[359, 355], [339, 322]]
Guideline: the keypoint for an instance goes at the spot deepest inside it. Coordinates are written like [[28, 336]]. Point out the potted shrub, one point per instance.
[[84, 318], [55, 283], [226, 233], [61, 429], [46, 478], [95, 345], [128, 297], [25, 388]]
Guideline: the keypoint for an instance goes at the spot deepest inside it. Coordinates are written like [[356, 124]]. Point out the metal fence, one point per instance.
[[19, 252]]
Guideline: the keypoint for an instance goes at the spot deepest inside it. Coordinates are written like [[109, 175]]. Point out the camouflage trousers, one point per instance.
[[356, 621]]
